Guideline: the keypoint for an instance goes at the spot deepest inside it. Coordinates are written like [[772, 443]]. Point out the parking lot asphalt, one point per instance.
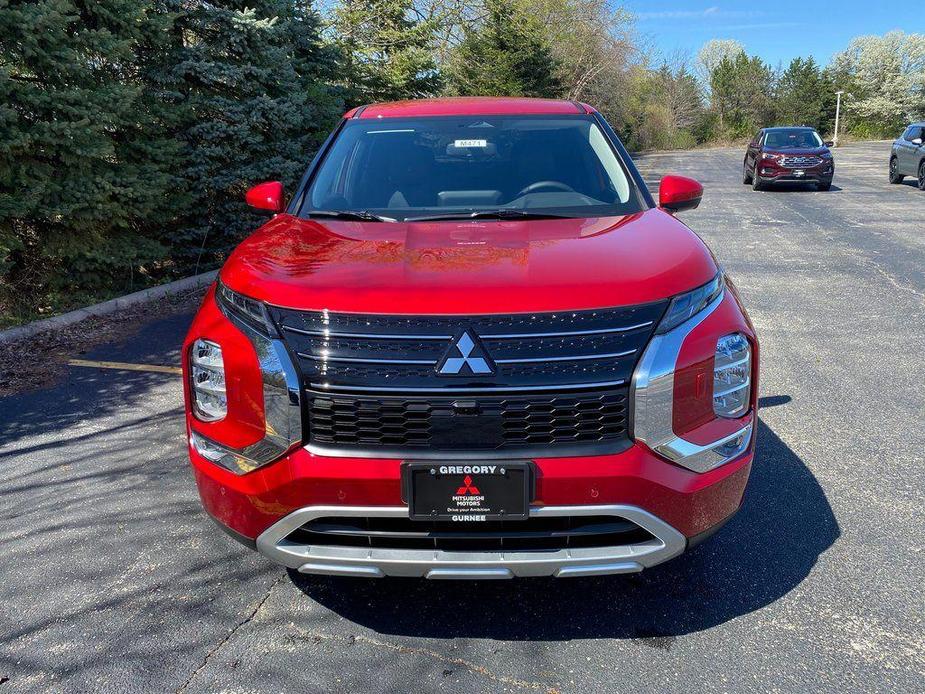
[[113, 579]]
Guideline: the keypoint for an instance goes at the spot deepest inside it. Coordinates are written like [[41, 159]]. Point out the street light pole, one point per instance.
[[837, 113]]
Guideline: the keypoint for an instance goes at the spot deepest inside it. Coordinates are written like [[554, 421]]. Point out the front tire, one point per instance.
[[824, 186], [895, 176], [922, 175], [746, 177], [756, 181]]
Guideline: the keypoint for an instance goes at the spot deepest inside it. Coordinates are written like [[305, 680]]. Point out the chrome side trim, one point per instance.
[[328, 388], [703, 458], [282, 402], [346, 560], [580, 357], [571, 333], [652, 403]]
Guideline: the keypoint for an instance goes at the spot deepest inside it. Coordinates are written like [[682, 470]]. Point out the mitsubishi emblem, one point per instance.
[[465, 352]]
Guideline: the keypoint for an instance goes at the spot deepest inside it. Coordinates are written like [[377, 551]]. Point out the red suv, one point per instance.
[[472, 346], [788, 155]]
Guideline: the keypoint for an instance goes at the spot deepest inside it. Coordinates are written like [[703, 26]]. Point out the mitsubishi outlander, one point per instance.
[[471, 345]]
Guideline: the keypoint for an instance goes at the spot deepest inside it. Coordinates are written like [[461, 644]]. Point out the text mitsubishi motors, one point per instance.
[[471, 345]]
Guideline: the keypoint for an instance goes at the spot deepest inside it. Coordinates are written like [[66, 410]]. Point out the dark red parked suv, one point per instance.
[[788, 156], [471, 345]]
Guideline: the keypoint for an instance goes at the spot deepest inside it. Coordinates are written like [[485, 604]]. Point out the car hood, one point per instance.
[[460, 267], [801, 152]]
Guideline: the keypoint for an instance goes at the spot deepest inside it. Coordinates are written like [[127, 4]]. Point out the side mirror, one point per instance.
[[677, 193], [266, 196], [829, 143], [917, 141]]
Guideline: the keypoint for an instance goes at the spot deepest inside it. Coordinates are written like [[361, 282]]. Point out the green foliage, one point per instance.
[[506, 54], [250, 101], [741, 89], [805, 96], [386, 54], [84, 159], [131, 129]]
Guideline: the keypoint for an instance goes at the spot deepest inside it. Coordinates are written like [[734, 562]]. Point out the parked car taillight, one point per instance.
[[732, 376], [207, 370]]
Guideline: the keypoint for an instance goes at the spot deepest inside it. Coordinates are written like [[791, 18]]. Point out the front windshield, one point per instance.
[[444, 166], [793, 139]]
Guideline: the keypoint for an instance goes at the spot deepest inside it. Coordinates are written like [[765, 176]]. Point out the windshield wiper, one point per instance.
[[362, 215], [504, 213]]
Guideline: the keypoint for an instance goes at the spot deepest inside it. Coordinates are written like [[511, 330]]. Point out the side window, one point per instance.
[[911, 133]]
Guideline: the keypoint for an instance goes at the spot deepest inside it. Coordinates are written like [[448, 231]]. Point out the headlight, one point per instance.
[[207, 369], [237, 306], [768, 155], [732, 376], [685, 306]]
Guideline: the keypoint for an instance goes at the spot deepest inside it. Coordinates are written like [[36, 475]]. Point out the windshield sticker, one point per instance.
[[471, 143]]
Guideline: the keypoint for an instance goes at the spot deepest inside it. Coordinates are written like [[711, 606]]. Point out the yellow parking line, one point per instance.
[[125, 367]]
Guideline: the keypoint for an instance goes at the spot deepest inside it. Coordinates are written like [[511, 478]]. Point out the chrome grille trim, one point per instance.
[[431, 362], [363, 360], [329, 388], [572, 333], [364, 336], [579, 357], [800, 162]]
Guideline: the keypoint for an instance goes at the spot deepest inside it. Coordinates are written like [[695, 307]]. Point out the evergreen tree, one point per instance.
[[507, 54], [805, 96], [247, 84], [84, 163], [741, 88], [386, 55]]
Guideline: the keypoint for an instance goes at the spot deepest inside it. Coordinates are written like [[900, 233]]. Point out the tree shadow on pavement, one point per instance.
[[763, 553]]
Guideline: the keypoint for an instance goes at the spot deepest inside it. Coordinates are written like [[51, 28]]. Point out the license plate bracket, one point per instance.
[[467, 492]]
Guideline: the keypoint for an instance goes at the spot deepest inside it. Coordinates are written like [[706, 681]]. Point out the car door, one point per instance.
[[753, 148], [905, 155], [916, 150]]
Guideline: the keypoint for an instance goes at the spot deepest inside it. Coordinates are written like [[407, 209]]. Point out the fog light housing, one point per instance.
[[732, 376], [207, 373]]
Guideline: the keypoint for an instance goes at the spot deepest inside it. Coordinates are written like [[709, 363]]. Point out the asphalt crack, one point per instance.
[[217, 647], [474, 668]]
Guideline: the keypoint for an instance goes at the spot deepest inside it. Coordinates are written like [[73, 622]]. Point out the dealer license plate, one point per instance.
[[468, 491]]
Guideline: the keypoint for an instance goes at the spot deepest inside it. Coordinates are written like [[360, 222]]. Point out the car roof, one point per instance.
[[471, 106], [790, 127]]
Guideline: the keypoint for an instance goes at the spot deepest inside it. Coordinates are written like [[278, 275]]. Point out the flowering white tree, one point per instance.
[[886, 75]]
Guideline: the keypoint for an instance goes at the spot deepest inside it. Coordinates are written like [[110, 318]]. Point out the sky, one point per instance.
[[777, 31]]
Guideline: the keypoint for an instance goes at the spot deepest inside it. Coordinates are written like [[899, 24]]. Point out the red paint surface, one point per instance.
[[690, 502], [679, 192], [693, 415], [471, 106], [469, 267], [244, 424], [266, 196]]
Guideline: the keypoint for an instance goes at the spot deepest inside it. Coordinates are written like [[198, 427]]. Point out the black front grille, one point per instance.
[[375, 384], [477, 423], [554, 533]]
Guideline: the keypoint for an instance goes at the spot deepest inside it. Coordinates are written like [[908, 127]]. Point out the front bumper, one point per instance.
[[774, 175], [375, 562], [671, 503]]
